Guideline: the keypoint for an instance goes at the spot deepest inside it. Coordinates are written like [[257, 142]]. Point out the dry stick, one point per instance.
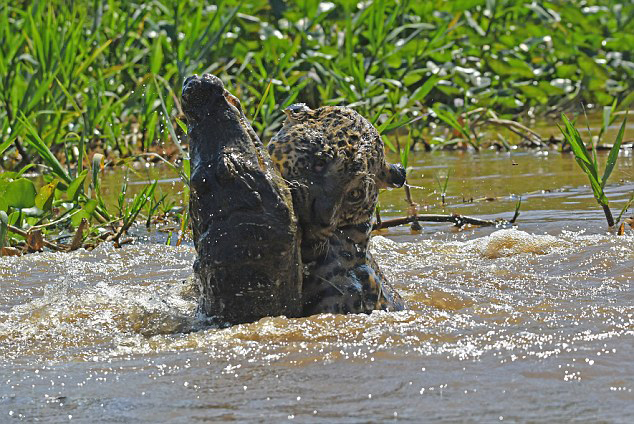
[[79, 235], [34, 241], [124, 241], [518, 129], [413, 207], [49, 224], [50, 245], [458, 220]]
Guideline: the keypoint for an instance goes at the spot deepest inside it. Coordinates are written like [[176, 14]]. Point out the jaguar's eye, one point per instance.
[[319, 165], [355, 195]]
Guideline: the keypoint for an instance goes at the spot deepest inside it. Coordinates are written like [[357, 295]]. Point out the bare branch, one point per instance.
[[457, 220], [518, 129], [25, 234]]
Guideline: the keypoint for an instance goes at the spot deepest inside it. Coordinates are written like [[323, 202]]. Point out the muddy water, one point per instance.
[[534, 323]]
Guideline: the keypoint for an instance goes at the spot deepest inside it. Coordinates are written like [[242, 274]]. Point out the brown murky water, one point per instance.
[[528, 324]]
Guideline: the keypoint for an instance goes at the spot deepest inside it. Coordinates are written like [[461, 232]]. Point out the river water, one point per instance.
[[533, 323]]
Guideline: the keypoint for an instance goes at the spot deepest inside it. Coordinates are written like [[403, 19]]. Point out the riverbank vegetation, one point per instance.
[[85, 85]]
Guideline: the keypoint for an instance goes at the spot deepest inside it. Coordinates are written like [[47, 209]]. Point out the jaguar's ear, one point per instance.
[[397, 175], [393, 175], [297, 113]]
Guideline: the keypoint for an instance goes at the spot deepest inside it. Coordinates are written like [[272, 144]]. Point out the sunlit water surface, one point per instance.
[[534, 323]]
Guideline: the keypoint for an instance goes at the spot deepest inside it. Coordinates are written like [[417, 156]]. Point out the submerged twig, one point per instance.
[[517, 211], [79, 235], [34, 240], [25, 234], [518, 129], [457, 220]]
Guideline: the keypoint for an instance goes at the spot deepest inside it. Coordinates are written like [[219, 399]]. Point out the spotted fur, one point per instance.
[[347, 279], [334, 163]]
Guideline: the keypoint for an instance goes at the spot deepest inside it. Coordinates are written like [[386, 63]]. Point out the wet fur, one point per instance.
[[334, 162]]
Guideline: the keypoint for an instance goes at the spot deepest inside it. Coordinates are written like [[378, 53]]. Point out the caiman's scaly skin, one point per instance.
[[244, 227], [334, 163]]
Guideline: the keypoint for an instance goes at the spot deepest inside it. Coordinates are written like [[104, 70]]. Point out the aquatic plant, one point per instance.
[[127, 213], [442, 185], [107, 79], [590, 165], [79, 79]]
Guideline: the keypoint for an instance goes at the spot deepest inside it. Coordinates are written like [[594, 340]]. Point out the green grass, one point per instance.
[[590, 165], [84, 82], [106, 75]]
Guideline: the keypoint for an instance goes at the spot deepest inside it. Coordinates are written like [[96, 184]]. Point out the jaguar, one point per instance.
[[334, 163]]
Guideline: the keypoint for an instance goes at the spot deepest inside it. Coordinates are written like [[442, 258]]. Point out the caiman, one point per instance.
[[245, 231]]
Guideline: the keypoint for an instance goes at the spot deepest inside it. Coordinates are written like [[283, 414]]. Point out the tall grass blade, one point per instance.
[[574, 139], [168, 122], [625, 207], [614, 153], [91, 59], [4, 224], [42, 149], [263, 99]]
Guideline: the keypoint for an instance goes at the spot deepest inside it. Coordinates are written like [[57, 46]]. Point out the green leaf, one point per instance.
[[566, 71], [7, 143], [168, 122], [465, 5], [402, 123], [499, 67], [625, 103], [5, 179], [24, 169], [603, 98], [450, 119], [15, 219], [591, 68], [157, 56], [626, 206], [550, 90], [20, 193], [43, 88], [421, 92], [45, 196], [614, 154], [521, 69], [96, 165], [404, 154], [607, 112], [76, 185], [4, 224], [138, 203], [42, 149], [182, 125], [583, 160], [573, 138], [473, 24], [533, 92], [7, 176], [186, 169], [384, 125], [86, 212], [90, 59], [388, 143]]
